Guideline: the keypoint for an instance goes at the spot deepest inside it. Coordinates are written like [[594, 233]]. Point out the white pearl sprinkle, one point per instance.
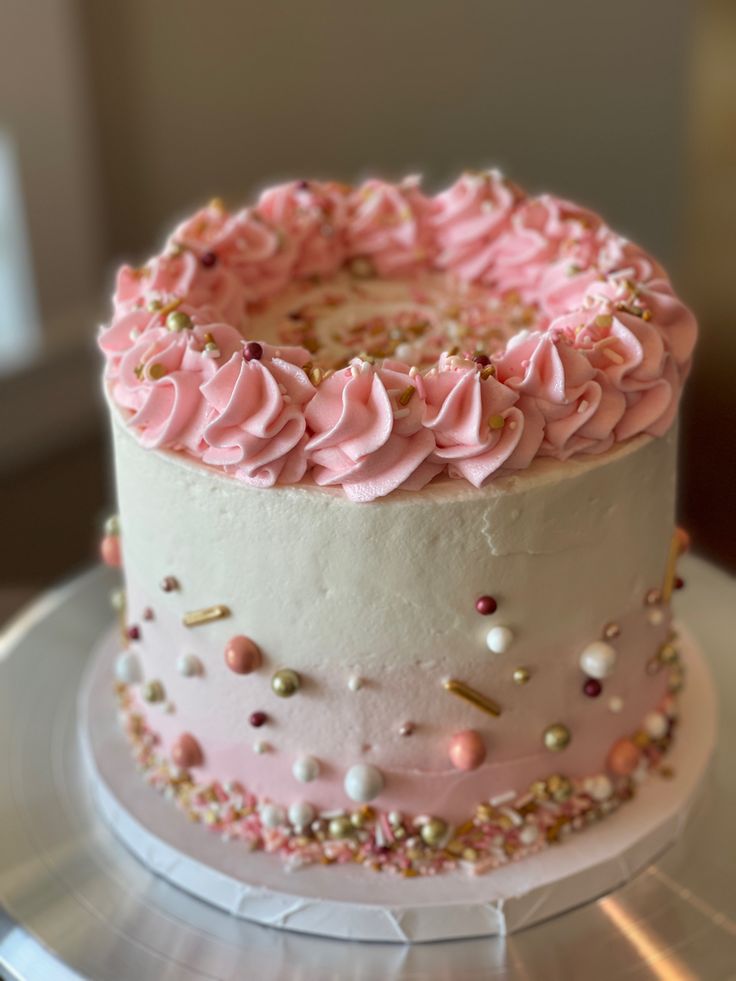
[[600, 787], [301, 814], [355, 683], [499, 639], [305, 769], [655, 725], [403, 352], [271, 815], [528, 834], [128, 669], [394, 818], [655, 616], [616, 703], [363, 782], [260, 747], [188, 665], [598, 660]]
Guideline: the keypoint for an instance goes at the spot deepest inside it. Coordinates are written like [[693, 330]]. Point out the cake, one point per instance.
[[396, 485]]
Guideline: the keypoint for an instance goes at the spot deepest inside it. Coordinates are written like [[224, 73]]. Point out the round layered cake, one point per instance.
[[396, 481]]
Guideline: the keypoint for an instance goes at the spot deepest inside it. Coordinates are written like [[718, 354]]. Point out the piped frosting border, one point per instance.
[[606, 360]]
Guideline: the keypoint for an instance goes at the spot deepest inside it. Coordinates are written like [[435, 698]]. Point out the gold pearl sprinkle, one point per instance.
[[488, 372], [177, 321], [433, 831], [153, 691], [195, 617], [521, 676], [604, 320], [217, 204], [469, 694], [153, 306], [496, 421], [285, 682], [559, 787], [611, 631], [556, 737], [340, 827], [156, 371], [406, 395], [667, 653]]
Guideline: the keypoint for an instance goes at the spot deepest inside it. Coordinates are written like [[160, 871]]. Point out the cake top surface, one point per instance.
[[376, 338]]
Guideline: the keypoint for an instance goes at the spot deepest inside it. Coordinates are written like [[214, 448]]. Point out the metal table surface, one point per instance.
[[78, 904]]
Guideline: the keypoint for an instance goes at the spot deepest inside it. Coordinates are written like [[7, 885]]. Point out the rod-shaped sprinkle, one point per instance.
[[476, 698], [209, 613]]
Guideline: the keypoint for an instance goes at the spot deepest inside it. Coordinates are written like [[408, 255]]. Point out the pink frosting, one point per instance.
[[606, 360], [389, 224], [256, 412], [363, 437]]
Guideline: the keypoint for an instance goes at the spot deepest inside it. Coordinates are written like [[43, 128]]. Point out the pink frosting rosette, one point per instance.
[[367, 433], [311, 216], [579, 405], [255, 412], [390, 225], [158, 380], [477, 424], [468, 218]]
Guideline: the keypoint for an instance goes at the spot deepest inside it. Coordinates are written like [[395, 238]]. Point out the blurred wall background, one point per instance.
[[122, 116]]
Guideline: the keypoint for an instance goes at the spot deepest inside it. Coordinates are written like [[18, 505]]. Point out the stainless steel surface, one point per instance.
[[68, 883]]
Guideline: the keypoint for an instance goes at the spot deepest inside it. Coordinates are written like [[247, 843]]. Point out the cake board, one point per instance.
[[330, 901]]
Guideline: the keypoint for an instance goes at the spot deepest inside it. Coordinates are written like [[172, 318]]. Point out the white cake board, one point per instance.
[[351, 902]]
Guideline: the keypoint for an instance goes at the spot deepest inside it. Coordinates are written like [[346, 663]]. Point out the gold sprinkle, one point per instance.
[[154, 306], [206, 615], [171, 305], [671, 568], [469, 694], [406, 395], [647, 315], [156, 371], [315, 376], [521, 676], [603, 320], [217, 204], [138, 371], [488, 372], [496, 421], [176, 249]]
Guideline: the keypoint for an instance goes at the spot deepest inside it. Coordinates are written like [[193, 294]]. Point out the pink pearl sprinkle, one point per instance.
[[242, 655], [110, 551], [467, 750], [186, 751]]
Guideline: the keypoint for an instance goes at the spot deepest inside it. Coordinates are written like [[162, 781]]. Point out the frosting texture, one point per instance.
[[593, 350]]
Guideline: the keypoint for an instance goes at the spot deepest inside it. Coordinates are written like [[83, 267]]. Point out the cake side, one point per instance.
[[572, 554]]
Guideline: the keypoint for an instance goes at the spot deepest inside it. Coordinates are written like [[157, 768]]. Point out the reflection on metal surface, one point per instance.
[[716, 917], [660, 959]]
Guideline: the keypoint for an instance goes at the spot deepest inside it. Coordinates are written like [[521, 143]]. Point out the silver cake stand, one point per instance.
[[79, 905]]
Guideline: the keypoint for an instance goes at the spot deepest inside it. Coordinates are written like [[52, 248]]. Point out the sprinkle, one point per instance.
[[355, 683], [406, 728], [169, 584], [604, 320], [521, 676], [316, 377], [156, 371], [488, 372], [178, 321], [206, 615], [611, 631], [469, 694], [676, 550], [406, 395], [615, 704], [613, 355], [171, 305], [496, 421]]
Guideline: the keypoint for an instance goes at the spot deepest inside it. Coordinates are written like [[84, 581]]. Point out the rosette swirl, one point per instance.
[[255, 412], [367, 433]]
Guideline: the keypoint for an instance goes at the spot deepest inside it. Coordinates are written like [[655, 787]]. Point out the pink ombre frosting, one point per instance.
[[601, 358]]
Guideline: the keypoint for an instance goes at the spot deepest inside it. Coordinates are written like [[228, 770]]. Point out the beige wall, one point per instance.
[[200, 97]]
